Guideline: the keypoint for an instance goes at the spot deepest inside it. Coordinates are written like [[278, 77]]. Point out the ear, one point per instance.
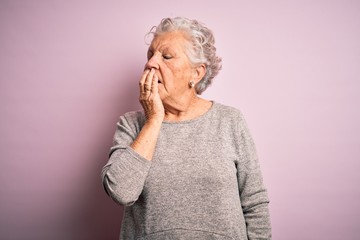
[[199, 73]]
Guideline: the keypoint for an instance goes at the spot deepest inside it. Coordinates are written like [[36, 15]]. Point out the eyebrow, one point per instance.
[[161, 49], [165, 49]]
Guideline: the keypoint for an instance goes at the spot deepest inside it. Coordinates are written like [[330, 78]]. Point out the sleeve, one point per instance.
[[125, 173], [253, 194]]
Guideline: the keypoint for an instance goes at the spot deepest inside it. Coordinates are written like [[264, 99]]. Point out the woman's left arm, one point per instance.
[[253, 194]]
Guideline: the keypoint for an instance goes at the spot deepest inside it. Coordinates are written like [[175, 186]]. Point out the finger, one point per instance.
[[154, 84], [142, 81], [148, 81]]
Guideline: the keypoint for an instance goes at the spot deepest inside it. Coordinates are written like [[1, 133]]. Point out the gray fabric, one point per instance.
[[204, 181]]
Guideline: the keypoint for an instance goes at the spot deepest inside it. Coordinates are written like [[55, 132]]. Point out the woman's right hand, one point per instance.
[[145, 142], [149, 96]]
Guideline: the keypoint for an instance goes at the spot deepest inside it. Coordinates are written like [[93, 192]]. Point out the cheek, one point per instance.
[[181, 72], [177, 75]]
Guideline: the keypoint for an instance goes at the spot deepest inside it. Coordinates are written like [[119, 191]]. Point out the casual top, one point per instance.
[[204, 181]]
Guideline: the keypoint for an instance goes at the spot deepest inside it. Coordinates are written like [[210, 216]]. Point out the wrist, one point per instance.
[[155, 120]]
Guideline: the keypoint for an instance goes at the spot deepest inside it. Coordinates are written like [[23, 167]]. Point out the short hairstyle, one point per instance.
[[200, 50]]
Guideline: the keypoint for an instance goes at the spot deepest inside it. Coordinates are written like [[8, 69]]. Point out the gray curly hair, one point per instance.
[[201, 49]]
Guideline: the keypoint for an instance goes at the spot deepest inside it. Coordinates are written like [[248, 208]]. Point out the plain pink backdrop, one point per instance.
[[68, 69]]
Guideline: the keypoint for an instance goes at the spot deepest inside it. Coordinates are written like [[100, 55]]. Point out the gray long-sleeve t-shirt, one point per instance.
[[204, 181]]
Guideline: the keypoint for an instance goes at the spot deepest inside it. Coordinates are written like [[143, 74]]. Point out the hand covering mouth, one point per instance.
[[159, 80]]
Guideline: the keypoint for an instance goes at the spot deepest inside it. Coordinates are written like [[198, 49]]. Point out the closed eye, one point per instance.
[[167, 57]]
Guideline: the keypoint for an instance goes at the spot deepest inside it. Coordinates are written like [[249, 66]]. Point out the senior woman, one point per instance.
[[185, 167]]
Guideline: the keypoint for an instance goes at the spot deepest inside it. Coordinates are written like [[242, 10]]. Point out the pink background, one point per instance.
[[68, 69]]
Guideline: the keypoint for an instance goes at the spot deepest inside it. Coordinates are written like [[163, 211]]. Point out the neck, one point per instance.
[[188, 110]]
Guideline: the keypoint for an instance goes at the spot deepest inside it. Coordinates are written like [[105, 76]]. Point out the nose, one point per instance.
[[153, 62]]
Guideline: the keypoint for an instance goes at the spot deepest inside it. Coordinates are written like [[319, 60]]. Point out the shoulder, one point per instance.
[[227, 112], [133, 119], [231, 117], [134, 115]]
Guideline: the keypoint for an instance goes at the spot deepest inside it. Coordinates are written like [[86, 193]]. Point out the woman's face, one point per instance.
[[167, 56]]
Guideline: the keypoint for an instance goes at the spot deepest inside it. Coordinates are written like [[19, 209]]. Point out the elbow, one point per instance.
[[255, 202], [119, 195], [123, 199]]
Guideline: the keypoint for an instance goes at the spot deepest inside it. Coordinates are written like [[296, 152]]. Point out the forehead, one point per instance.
[[170, 40]]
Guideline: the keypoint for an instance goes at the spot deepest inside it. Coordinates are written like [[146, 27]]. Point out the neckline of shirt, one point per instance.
[[211, 109]]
